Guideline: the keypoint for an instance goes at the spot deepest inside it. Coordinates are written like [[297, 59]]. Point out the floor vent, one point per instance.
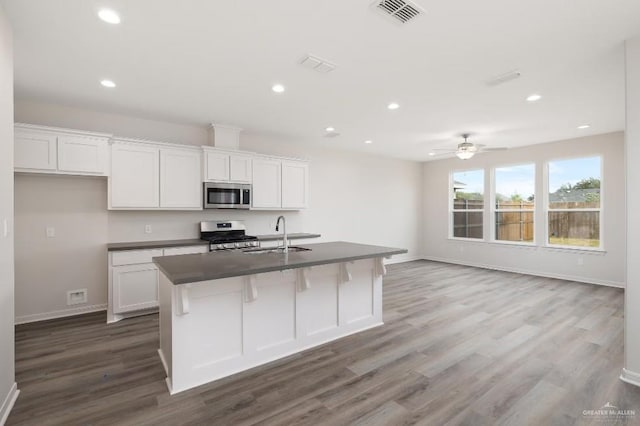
[[401, 11]]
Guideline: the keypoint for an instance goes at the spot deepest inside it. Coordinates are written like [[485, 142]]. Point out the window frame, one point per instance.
[[600, 210], [452, 210], [494, 210]]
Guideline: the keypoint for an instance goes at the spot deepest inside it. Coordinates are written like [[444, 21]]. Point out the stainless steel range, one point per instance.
[[227, 235]]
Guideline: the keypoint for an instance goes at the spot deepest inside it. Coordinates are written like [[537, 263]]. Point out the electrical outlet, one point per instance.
[[51, 232], [580, 261], [77, 297], [147, 229]]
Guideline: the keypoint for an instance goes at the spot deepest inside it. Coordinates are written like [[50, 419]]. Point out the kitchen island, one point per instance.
[[226, 312]]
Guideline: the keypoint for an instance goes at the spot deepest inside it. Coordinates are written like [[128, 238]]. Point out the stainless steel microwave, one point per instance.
[[226, 195]]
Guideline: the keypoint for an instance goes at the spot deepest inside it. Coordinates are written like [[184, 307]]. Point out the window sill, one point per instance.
[[469, 240], [571, 249], [533, 246], [514, 244]]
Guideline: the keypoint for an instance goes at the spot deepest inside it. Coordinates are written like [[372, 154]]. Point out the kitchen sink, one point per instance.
[[260, 250]]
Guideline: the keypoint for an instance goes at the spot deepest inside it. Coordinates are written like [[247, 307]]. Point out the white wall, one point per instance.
[[8, 389], [46, 268], [55, 115], [354, 197], [632, 293], [604, 268]]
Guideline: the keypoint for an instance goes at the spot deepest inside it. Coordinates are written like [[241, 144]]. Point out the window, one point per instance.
[[467, 190], [574, 202], [514, 203]]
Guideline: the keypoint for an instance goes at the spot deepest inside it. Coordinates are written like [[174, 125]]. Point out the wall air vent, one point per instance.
[[402, 11]]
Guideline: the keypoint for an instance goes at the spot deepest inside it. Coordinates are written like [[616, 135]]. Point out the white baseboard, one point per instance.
[[164, 361], [8, 402], [401, 259], [630, 377], [60, 314], [587, 280]]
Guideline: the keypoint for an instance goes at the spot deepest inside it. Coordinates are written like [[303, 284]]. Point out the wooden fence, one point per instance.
[[518, 225]]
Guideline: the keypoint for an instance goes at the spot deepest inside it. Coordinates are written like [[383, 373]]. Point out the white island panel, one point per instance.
[[270, 325], [318, 305], [213, 329]]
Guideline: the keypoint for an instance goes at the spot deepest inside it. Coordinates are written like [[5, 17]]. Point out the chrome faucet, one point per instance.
[[285, 241]]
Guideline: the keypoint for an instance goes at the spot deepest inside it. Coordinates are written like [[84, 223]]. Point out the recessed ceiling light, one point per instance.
[[330, 129], [368, 141], [278, 88], [534, 98], [584, 126], [431, 154], [108, 83], [108, 15], [393, 105]]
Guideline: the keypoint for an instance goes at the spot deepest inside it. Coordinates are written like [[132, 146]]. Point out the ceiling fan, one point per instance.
[[465, 150]]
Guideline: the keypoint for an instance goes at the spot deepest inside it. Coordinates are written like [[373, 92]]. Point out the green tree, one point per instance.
[[469, 196], [588, 183]]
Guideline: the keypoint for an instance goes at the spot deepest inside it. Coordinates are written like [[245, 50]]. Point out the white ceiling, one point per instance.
[[202, 61]]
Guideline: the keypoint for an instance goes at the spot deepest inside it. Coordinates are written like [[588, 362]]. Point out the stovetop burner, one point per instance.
[[231, 238], [226, 235]]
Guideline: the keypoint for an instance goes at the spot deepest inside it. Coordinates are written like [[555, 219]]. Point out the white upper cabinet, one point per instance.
[[216, 165], [40, 149], [135, 176], [280, 184], [77, 154], [240, 168], [180, 180], [35, 150], [225, 166], [151, 176], [295, 184], [267, 183]]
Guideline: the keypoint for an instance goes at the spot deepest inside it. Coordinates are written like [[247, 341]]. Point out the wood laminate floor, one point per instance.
[[460, 346]]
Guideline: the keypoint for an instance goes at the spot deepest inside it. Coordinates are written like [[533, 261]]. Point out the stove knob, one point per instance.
[[255, 244], [220, 246], [237, 245]]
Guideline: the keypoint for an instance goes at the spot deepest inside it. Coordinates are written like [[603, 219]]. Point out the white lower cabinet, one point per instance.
[[133, 279], [135, 287]]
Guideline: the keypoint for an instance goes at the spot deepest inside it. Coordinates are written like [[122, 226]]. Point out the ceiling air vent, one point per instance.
[[401, 11], [317, 64]]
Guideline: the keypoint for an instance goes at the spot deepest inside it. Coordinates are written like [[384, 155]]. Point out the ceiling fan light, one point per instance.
[[464, 155]]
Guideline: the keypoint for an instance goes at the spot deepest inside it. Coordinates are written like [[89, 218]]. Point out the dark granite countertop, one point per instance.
[[292, 236], [143, 245], [193, 268]]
